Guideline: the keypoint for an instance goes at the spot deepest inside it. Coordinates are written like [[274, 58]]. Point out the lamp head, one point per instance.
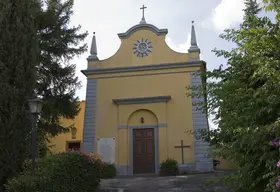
[[35, 106]]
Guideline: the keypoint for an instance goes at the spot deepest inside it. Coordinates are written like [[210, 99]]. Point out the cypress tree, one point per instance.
[[18, 58]]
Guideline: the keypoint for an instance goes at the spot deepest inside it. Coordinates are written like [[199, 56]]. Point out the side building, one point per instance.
[[73, 139]]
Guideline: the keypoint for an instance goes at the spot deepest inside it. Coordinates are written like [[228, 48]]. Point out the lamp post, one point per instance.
[[35, 107]]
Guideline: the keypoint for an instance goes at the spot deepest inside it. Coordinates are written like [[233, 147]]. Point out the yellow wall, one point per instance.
[[111, 116], [160, 54], [122, 156], [59, 143]]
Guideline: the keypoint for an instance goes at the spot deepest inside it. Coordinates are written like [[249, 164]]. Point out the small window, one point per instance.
[[74, 146]]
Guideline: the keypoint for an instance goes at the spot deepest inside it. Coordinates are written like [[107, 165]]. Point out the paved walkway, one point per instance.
[[188, 183]]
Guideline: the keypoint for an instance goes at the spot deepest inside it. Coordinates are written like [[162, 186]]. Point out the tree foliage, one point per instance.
[[37, 44], [18, 58], [57, 83], [244, 97]]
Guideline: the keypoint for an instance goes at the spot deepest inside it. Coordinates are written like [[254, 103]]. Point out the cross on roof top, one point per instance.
[[143, 14]]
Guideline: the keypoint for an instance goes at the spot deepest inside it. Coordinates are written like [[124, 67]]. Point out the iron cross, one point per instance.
[[143, 9], [182, 146]]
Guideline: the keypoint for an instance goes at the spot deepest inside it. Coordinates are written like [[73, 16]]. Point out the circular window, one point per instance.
[[142, 48]]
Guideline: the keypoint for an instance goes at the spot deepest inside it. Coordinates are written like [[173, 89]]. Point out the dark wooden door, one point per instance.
[[143, 151]]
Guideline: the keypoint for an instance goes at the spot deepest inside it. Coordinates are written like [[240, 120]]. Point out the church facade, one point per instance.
[[137, 113]]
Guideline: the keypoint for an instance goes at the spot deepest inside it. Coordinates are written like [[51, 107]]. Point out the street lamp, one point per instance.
[[35, 107]]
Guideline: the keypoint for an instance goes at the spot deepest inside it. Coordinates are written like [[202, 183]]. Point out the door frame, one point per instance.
[[156, 164]]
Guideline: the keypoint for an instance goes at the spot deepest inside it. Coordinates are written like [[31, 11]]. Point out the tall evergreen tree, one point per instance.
[[18, 58], [57, 83], [55, 76]]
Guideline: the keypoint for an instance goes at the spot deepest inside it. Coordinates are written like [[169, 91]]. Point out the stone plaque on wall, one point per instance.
[[106, 149]]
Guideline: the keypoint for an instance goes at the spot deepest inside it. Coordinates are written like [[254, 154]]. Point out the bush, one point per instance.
[[169, 167], [108, 171], [27, 164], [70, 171]]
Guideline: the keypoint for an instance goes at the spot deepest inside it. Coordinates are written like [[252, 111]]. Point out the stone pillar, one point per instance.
[[202, 152], [90, 116]]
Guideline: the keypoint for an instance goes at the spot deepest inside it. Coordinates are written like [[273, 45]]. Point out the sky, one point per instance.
[[109, 17]]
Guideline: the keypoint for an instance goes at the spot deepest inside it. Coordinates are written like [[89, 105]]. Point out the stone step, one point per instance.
[[111, 190], [178, 189], [181, 190]]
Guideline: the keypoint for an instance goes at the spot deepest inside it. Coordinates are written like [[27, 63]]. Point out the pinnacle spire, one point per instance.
[[93, 49], [194, 47]]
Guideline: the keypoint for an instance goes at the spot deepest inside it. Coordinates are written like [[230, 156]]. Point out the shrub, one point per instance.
[[27, 164], [169, 167], [70, 171], [108, 170]]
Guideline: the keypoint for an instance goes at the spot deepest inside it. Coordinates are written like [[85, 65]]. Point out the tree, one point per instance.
[[57, 82], [252, 8], [18, 58], [273, 5], [244, 100]]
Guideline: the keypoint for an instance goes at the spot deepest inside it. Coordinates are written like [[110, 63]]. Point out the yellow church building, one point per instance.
[[136, 112]]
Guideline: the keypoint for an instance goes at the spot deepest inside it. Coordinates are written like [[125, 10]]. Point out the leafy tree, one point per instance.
[[273, 5], [244, 97], [18, 58]]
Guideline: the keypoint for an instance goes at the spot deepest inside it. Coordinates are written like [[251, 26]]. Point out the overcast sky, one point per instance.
[[109, 17]]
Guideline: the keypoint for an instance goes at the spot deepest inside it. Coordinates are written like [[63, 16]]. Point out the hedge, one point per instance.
[[69, 171]]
